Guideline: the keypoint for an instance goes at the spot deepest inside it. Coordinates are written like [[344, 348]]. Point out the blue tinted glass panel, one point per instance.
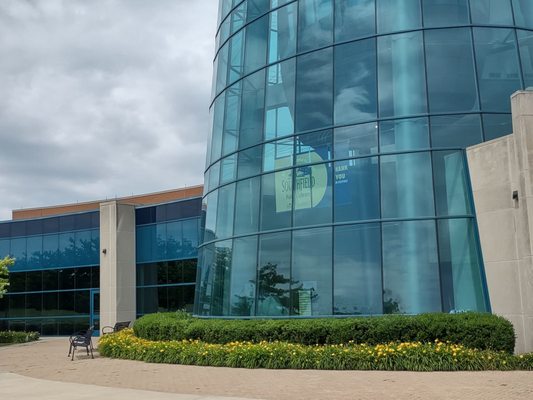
[[236, 57], [238, 18], [311, 285], [146, 237], [451, 183], [497, 125], [174, 240], [50, 251], [211, 216], [218, 127], [493, 12], [404, 134], [282, 33], [357, 270], [226, 205], [497, 66], [406, 186], [315, 24], [410, 268], [243, 276], [222, 68], [247, 206], [253, 99], [256, 45], [445, 13], [4, 248], [314, 90], [523, 13], [278, 154], [355, 82], [460, 266], [273, 274], [228, 169], [525, 41], [160, 251], [276, 200], [19, 229], [250, 161], [84, 247], [455, 130], [206, 258], [314, 147], [35, 227], [5, 229], [401, 71], [354, 19], [190, 238], [447, 52], [356, 189], [394, 15], [214, 175], [357, 140], [230, 134], [313, 194], [279, 107], [34, 248], [257, 8], [221, 270]]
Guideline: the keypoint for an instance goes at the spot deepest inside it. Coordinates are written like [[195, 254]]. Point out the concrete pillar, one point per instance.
[[117, 263], [502, 185]]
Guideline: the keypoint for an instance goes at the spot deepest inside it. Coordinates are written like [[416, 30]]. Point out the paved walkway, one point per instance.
[[47, 359]]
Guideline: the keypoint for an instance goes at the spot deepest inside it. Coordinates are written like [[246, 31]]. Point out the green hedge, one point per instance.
[[18, 337], [436, 356], [473, 330]]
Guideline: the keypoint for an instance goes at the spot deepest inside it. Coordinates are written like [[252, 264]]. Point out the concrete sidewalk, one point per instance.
[[13, 386]]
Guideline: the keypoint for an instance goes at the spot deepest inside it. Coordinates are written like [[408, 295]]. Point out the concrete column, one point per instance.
[[502, 184], [117, 263]]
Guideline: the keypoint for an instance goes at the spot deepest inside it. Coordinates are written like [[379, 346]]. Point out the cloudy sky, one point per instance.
[[102, 98]]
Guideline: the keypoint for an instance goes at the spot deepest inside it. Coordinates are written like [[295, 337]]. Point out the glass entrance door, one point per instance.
[[95, 311]]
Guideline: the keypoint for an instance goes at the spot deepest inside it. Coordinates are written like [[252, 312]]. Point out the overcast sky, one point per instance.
[[102, 98]]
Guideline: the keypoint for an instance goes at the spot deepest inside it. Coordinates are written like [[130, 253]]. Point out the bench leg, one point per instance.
[[69, 350], [73, 350]]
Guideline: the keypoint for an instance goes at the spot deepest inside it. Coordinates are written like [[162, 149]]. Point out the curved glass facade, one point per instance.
[[336, 181]]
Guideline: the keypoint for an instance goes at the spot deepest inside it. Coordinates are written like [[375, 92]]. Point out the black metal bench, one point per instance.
[[117, 328], [81, 339]]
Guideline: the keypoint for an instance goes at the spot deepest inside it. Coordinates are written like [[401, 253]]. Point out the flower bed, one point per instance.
[[408, 356], [18, 337]]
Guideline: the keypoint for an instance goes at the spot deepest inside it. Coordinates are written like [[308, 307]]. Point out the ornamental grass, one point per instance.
[[408, 356]]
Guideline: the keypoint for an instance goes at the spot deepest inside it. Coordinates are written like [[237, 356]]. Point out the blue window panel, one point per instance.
[[5, 230], [497, 67], [18, 251], [226, 205], [256, 45], [355, 82], [282, 33], [523, 13], [190, 238], [222, 68], [411, 283], [236, 57], [279, 107], [224, 31], [257, 8], [356, 140], [160, 246], [401, 71], [451, 183], [356, 189], [206, 258], [230, 134], [315, 24], [18, 229], [243, 276], [211, 216], [218, 128], [497, 125], [67, 249], [221, 270], [214, 176], [253, 101], [95, 254], [51, 251], [4, 248], [394, 15], [34, 252], [455, 130], [250, 161], [406, 186], [357, 286], [354, 19], [445, 13], [404, 134], [312, 194], [238, 18], [491, 12], [278, 154], [314, 90], [146, 236], [450, 71], [228, 170], [314, 147], [247, 206], [312, 272], [34, 227], [276, 200], [175, 242], [525, 42], [51, 225], [67, 223], [84, 247], [461, 266], [274, 274]]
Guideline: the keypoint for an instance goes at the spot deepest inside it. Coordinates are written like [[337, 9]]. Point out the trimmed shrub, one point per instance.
[[473, 330], [410, 356], [18, 337]]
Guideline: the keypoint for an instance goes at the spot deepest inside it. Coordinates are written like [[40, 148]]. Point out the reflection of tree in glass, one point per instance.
[[390, 305], [221, 280]]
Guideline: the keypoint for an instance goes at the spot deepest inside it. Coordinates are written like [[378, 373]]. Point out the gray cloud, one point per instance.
[[102, 98]]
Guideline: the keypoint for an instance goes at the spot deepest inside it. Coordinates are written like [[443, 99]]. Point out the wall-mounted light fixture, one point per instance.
[[104, 251]]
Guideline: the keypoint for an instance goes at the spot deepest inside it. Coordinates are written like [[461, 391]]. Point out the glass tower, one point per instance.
[[336, 180]]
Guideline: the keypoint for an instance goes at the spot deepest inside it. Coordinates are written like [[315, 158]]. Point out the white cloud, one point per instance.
[[102, 98]]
